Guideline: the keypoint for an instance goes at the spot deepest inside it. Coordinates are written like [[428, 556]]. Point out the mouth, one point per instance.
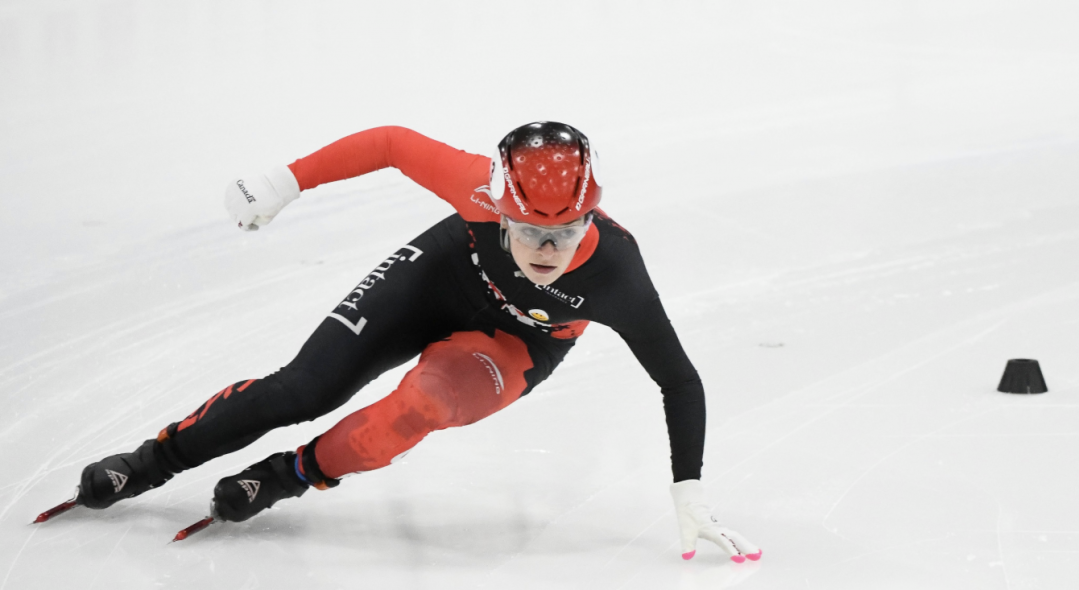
[[542, 269]]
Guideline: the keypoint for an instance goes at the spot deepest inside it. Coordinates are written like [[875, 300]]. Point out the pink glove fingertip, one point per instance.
[[689, 555], [738, 558], [755, 556]]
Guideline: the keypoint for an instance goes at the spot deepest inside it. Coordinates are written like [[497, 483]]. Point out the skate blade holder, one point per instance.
[[58, 509], [198, 526], [191, 530]]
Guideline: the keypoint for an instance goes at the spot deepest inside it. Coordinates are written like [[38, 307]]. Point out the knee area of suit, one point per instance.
[[456, 390], [429, 394]]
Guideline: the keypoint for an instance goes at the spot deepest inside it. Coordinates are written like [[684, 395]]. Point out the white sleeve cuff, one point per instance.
[[689, 491], [284, 183]]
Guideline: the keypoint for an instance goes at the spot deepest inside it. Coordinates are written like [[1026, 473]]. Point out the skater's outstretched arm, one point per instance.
[[638, 317], [454, 175], [448, 172], [632, 308]]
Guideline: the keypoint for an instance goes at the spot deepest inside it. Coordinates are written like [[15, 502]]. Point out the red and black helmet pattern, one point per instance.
[[544, 173]]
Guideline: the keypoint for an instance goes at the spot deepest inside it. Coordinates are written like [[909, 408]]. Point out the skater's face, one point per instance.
[[545, 264]]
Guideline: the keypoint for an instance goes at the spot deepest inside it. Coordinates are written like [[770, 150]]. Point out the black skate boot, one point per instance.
[[241, 496], [123, 476]]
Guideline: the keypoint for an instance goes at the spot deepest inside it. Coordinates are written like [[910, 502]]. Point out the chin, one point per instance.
[[541, 278]]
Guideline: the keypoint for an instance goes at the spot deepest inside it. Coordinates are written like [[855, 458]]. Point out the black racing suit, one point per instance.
[[463, 281]]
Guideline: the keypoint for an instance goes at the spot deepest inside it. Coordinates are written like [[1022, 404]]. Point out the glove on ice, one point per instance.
[[253, 201], [695, 520]]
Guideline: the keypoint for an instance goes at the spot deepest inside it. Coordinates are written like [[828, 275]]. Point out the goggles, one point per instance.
[[535, 236]]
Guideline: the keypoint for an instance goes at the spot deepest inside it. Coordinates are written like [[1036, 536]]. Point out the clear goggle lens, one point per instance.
[[562, 237]]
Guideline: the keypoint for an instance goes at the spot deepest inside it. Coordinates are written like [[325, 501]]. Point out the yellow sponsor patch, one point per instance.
[[539, 314]]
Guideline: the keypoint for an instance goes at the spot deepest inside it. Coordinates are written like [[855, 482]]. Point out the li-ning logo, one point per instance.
[[492, 368], [118, 480], [250, 197], [584, 185], [481, 202], [251, 486]]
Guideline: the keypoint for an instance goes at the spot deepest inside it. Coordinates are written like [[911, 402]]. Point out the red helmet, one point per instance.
[[544, 173]]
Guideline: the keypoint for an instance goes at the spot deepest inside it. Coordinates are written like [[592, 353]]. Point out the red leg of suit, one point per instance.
[[458, 381]]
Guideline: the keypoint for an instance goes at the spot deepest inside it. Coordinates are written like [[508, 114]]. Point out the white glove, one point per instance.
[[253, 201], [695, 520]]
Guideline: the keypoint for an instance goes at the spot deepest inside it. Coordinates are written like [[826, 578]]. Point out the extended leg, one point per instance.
[[386, 320]]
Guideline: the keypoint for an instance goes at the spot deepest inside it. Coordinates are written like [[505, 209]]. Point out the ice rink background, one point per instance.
[[856, 212]]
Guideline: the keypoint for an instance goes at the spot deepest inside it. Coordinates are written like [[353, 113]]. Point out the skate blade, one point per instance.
[[191, 530], [58, 510]]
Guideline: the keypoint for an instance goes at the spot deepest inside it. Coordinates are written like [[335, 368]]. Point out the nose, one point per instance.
[[547, 249]]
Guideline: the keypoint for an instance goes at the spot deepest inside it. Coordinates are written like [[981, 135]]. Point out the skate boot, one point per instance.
[[241, 496], [123, 476]]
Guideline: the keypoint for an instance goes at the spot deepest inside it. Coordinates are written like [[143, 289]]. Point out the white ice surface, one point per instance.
[[856, 212]]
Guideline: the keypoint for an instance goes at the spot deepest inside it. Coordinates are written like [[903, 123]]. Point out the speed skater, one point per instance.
[[491, 299]]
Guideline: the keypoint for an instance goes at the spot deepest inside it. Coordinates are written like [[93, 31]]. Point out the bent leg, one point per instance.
[[458, 381]]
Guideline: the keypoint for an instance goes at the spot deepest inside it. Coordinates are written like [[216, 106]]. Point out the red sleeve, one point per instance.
[[452, 174]]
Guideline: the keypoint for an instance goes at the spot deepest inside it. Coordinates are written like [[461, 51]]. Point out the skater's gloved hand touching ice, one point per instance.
[[695, 520], [254, 200]]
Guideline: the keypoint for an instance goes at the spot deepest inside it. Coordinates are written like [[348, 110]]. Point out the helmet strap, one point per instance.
[[504, 238]]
